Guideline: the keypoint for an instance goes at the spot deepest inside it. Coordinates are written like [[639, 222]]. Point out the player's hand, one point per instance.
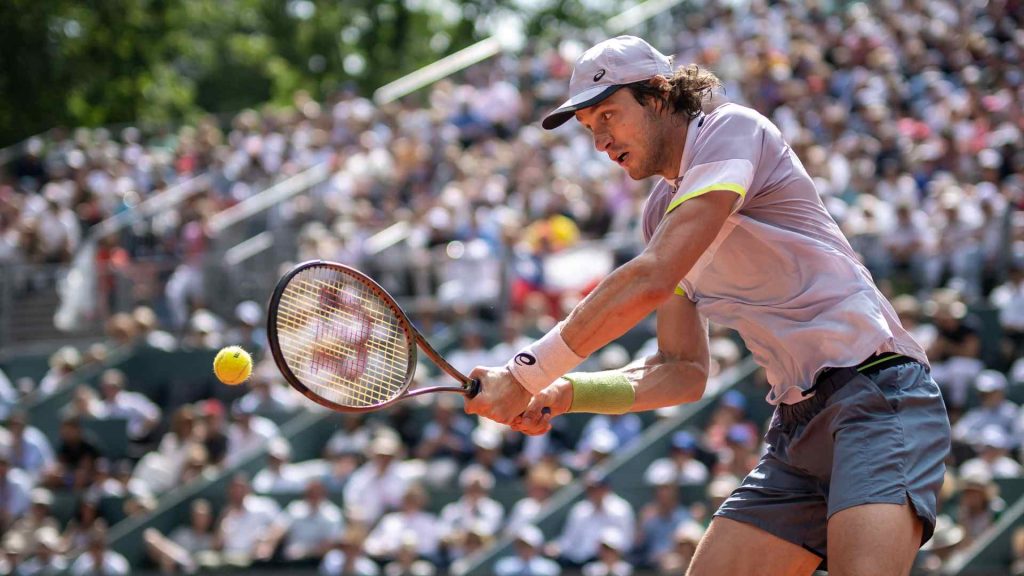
[[552, 401], [501, 397]]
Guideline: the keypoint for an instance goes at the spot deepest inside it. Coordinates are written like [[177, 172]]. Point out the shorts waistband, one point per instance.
[[830, 380]]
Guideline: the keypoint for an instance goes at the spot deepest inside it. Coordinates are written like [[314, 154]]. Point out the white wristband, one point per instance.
[[544, 361]]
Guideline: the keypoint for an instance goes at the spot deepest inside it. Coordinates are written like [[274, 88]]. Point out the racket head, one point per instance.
[[339, 338]]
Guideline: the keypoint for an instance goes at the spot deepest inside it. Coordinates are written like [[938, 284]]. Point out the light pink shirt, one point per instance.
[[779, 272]]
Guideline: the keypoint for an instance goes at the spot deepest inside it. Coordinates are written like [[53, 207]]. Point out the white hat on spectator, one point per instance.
[[993, 436], [279, 448], [41, 496], [486, 438], [248, 312], [530, 535], [385, 445], [603, 441], [990, 381], [475, 475], [614, 539]]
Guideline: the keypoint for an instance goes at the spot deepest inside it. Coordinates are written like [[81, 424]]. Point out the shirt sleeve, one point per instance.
[[725, 155]]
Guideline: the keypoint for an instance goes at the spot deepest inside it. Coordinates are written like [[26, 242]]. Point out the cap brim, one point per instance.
[[584, 99]]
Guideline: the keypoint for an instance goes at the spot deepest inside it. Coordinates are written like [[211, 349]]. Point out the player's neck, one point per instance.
[[675, 143]]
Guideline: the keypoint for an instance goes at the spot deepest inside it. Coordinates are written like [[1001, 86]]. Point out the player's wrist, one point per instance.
[[543, 362]]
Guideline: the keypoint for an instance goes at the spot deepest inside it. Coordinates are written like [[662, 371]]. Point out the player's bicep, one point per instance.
[[682, 332], [687, 231]]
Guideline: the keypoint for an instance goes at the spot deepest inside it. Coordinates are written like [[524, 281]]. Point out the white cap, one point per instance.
[[605, 68]]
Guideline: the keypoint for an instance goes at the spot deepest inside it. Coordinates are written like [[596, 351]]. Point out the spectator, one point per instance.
[[993, 445], [161, 470], [62, 362], [98, 559], [184, 550], [140, 412], [310, 527], [683, 547], [46, 558], [407, 562], [994, 409], [660, 518], [29, 450], [279, 476], [487, 454], [527, 560], [212, 431], [248, 433], [730, 411], [475, 508], [610, 560], [86, 522], [15, 489], [37, 517], [266, 397], [540, 483], [680, 463], [979, 504], [378, 485], [245, 518], [446, 441], [411, 523], [580, 538], [348, 558], [1009, 300], [591, 451]]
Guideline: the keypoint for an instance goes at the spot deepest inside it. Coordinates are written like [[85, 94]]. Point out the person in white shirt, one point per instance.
[[540, 483], [280, 476], [348, 558], [47, 558], [310, 527], [244, 520], [142, 414], [248, 433], [379, 484], [527, 561], [680, 462], [994, 408], [992, 445], [474, 508], [1009, 299], [410, 523], [185, 544], [15, 488], [30, 449], [610, 560], [581, 536], [100, 560]]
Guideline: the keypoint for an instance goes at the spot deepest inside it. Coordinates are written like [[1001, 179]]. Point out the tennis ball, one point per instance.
[[233, 365]]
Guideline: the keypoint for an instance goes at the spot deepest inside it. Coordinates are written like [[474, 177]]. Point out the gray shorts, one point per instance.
[[875, 438]]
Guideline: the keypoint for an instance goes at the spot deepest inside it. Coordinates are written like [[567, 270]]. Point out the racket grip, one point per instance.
[[473, 388]]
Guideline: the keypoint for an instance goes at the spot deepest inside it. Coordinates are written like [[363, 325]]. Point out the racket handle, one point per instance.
[[472, 388]]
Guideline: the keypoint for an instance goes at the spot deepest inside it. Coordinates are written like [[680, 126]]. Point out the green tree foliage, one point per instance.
[[95, 62]]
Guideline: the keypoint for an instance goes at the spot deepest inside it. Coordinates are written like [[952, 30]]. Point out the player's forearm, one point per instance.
[[661, 382], [620, 302]]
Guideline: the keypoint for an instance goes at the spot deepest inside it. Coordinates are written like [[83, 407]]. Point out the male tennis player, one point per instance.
[[737, 234]]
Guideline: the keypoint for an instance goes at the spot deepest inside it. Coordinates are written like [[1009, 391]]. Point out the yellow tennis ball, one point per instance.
[[233, 365]]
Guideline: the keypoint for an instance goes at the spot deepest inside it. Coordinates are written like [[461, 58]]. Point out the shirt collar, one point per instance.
[[691, 135]]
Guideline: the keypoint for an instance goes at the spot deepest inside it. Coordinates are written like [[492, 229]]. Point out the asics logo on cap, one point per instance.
[[599, 75], [524, 359]]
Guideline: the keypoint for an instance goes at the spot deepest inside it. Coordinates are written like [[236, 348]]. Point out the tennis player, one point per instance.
[[736, 233]]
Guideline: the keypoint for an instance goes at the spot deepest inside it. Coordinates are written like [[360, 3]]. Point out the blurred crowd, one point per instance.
[[907, 113]]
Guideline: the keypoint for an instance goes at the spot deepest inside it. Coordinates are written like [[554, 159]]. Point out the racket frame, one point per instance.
[[470, 387]]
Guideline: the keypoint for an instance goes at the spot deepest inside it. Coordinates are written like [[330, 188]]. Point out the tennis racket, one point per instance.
[[342, 341]]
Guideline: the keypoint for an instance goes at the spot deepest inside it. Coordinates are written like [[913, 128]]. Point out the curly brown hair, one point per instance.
[[684, 92]]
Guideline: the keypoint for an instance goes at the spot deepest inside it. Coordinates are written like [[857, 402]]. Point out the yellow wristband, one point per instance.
[[607, 392]]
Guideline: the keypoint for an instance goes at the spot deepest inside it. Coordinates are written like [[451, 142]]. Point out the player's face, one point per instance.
[[633, 136]]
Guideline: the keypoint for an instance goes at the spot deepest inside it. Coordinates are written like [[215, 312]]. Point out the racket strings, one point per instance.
[[342, 340]]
